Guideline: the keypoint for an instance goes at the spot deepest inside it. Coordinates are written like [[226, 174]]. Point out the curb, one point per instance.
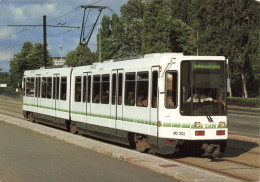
[[245, 109], [157, 164], [243, 138]]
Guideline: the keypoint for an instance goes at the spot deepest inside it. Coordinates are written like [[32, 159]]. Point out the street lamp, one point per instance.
[[61, 24]]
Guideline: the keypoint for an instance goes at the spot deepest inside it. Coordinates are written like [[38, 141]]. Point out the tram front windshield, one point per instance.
[[203, 88]]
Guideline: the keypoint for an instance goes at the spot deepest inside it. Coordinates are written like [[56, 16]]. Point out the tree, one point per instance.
[[162, 32], [81, 56], [3, 76], [30, 57], [126, 30], [107, 49]]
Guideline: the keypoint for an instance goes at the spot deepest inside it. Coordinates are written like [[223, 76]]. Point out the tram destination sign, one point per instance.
[[205, 65]]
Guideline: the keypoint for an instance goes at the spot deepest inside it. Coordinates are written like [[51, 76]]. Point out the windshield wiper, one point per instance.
[[204, 110]]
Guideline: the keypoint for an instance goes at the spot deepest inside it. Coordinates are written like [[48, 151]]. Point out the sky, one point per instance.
[[30, 12]]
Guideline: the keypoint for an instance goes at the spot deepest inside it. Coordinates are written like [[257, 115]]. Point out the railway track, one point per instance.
[[239, 162]]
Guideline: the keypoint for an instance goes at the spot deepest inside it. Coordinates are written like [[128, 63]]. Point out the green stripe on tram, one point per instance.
[[130, 120]]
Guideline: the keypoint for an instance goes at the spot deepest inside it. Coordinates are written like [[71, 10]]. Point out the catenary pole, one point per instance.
[[44, 40]]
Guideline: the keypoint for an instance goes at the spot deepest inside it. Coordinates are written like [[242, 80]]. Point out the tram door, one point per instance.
[[55, 95], [86, 107], [37, 92], [154, 101], [116, 102]]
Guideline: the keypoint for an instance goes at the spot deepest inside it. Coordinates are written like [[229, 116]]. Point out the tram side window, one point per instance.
[[130, 89], [36, 87], [28, 82], [89, 88], [78, 89], [32, 87], [84, 88], [120, 89], [49, 87], [39, 87], [113, 88], [24, 85], [105, 89], [44, 86], [142, 89], [171, 86], [154, 88], [96, 89], [63, 88], [56, 84]]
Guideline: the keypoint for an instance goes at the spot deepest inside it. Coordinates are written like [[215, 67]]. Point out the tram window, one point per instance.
[[32, 87], [120, 89], [89, 88], [142, 89], [44, 86], [84, 88], [63, 88], [24, 85], [96, 89], [39, 87], [105, 84], [28, 82], [130, 89], [154, 88], [56, 84], [36, 87], [49, 86], [78, 89], [171, 86], [114, 89]]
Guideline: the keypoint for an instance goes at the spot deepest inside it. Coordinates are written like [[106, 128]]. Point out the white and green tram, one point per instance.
[[162, 102]]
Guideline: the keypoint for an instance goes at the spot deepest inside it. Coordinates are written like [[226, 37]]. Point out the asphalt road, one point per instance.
[[244, 125], [26, 156]]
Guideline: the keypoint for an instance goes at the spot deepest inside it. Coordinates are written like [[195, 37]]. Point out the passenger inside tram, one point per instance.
[[105, 98], [142, 101], [96, 98], [130, 99]]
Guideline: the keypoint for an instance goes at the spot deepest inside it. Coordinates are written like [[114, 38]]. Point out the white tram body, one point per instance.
[[159, 102]]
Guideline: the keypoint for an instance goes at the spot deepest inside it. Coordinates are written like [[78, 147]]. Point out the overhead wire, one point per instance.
[[34, 41], [77, 9]]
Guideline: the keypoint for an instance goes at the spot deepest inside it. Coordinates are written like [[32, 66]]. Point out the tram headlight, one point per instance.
[[222, 124], [197, 124]]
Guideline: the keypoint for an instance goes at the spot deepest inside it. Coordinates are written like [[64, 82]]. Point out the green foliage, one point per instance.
[[156, 34], [162, 32], [181, 39], [126, 30], [246, 102], [3, 77], [81, 56], [30, 57], [107, 49]]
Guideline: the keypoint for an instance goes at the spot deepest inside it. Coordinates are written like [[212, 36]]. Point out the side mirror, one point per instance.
[[161, 85]]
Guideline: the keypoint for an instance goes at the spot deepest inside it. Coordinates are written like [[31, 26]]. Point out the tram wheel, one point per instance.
[[73, 128], [30, 117]]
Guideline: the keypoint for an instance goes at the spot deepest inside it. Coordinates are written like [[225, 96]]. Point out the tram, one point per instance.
[[162, 102]]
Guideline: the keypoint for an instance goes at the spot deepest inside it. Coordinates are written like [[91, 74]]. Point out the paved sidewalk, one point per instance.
[[157, 164]]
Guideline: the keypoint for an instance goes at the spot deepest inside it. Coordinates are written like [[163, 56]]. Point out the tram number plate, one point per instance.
[[179, 133]]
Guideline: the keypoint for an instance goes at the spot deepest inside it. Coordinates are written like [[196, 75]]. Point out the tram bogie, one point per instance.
[[158, 103]]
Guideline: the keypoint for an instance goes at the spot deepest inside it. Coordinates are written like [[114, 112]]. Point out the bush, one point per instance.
[[246, 102]]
